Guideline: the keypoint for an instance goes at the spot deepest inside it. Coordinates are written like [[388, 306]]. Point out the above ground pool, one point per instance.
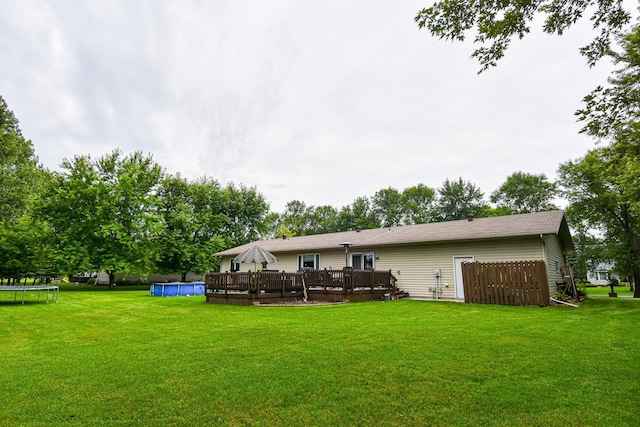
[[177, 289]]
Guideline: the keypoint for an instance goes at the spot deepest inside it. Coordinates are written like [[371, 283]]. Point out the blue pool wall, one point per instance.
[[177, 289]]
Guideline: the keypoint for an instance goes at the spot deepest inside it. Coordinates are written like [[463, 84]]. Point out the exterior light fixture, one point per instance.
[[346, 245]]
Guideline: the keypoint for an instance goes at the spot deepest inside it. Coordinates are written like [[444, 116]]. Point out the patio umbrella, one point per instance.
[[256, 254]]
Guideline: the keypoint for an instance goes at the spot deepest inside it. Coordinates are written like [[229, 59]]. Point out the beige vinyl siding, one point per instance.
[[285, 263], [555, 259], [289, 261], [332, 259], [416, 263], [413, 267]]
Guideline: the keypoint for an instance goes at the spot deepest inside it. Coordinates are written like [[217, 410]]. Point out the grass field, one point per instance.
[[604, 290], [126, 358]]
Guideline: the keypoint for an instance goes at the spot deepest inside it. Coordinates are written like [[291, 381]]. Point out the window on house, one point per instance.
[[235, 266], [602, 275], [311, 261], [364, 261]]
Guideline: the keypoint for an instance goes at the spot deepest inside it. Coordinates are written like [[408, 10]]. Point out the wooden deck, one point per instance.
[[271, 287]]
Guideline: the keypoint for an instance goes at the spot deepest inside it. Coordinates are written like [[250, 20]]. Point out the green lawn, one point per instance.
[[604, 290], [126, 358]]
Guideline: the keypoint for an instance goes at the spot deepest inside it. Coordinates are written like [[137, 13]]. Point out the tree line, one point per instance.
[[121, 213], [419, 204]]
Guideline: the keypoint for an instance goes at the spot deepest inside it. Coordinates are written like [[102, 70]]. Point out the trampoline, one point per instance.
[[54, 290]]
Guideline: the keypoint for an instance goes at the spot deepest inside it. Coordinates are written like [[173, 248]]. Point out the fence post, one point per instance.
[[344, 280], [373, 279]]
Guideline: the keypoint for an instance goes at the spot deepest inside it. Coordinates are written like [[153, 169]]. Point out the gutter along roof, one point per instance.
[[533, 224]]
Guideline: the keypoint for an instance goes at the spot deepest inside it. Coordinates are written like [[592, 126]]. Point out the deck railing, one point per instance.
[[345, 280]]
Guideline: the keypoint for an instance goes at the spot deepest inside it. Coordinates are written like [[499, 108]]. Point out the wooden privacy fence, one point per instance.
[[508, 283]]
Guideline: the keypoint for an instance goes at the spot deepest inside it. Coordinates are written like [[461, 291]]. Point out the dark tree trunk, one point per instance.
[[112, 279], [634, 243], [184, 277]]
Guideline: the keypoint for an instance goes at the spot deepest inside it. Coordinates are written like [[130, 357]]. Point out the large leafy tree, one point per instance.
[[22, 249], [604, 201], [525, 193], [324, 219], [611, 204], [457, 199], [294, 220], [21, 178], [388, 206], [19, 170], [414, 205], [104, 214], [613, 112], [358, 214], [497, 22], [298, 219], [246, 213], [418, 204], [193, 225]]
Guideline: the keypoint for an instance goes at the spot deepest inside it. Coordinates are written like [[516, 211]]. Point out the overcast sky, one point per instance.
[[321, 102]]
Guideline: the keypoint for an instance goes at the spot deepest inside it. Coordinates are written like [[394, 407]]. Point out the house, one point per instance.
[[602, 275], [426, 259]]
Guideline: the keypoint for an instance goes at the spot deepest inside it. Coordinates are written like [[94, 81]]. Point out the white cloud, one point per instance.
[[320, 102]]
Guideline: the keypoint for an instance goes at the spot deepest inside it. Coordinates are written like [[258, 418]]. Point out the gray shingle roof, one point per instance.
[[534, 224]]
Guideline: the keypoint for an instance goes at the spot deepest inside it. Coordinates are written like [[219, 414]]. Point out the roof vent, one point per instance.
[[358, 229], [470, 217]]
